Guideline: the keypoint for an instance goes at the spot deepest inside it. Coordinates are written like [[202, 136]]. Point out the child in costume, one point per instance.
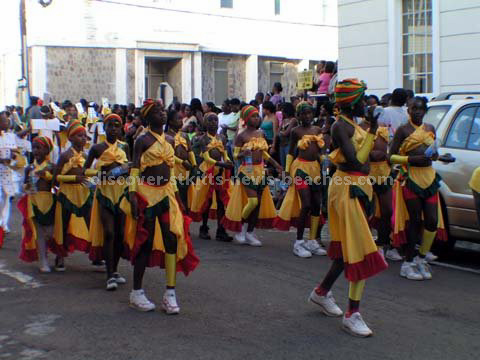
[[185, 160], [350, 203], [251, 202], [213, 186], [107, 220], [74, 199], [304, 195], [38, 205], [382, 182], [417, 211], [156, 230]]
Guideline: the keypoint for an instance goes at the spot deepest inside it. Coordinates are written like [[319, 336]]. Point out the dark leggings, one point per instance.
[[141, 261], [113, 239], [416, 207], [384, 226], [311, 202], [476, 197], [220, 212], [335, 271]]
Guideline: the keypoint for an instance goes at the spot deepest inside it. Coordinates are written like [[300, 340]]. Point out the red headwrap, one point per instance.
[[44, 141]]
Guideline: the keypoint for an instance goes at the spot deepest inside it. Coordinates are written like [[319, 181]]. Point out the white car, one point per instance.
[[456, 117]]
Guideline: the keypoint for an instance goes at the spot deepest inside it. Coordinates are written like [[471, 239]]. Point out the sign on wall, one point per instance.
[[305, 80]]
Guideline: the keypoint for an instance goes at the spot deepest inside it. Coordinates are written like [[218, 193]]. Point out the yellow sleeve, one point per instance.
[[192, 158], [288, 162], [208, 159], [91, 172], [364, 151], [225, 156], [66, 178], [178, 160], [399, 159], [134, 173], [236, 152], [266, 155]]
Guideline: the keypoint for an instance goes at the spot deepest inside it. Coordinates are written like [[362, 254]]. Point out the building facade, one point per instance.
[[125, 50], [424, 45]]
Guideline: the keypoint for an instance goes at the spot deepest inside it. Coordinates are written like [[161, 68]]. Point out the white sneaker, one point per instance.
[[252, 240], [119, 278], [44, 269], [431, 257], [423, 268], [356, 326], [139, 301], [239, 239], [327, 303], [300, 251], [111, 284], [392, 254], [314, 247], [169, 303], [409, 270]]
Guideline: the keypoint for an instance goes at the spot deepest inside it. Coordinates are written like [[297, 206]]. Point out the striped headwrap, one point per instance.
[[247, 112], [148, 105], [112, 117], [349, 91], [44, 141], [74, 127], [304, 106]]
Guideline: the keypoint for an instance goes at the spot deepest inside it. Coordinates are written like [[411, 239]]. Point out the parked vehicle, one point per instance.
[[456, 117]]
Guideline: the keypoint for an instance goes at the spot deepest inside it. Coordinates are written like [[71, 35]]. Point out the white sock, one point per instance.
[[137, 292], [244, 229]]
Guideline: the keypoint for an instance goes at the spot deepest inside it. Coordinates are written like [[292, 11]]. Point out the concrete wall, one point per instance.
[[236, 76], [288, 80], [131, 76], [174, 78], [75, 73]]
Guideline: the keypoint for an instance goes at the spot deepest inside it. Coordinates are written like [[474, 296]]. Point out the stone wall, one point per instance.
[[131, 76], [75, 73], [174, 78], [236, 76], [289, 78]]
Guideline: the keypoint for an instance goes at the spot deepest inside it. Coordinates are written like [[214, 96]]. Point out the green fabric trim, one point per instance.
[[424, 193], [369, 205], [304, 176], [157, 209], [108, 204], [258, 188], [46, 219], [72, 208]]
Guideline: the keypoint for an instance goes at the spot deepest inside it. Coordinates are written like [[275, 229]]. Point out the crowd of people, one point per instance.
[[127, 182]]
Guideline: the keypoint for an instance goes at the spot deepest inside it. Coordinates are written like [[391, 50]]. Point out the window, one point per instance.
[[435, 114], [474, 138], [459, 131], [417, 45], [276, 73], [228, 4], [277, 7], [220, 69]]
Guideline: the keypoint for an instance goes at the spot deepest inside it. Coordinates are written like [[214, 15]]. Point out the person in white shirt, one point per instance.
[[394, 115], [226, 116]]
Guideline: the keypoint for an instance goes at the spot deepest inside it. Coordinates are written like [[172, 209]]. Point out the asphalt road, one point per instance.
[[240, 303]]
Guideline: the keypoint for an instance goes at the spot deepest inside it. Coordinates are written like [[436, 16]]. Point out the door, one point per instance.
[[462, 142]]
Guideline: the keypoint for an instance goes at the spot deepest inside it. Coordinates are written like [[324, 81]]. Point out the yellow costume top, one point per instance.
[[76, 161], [215, 144], [113, 154], [256, 144], [419, 137], [358, 138], [305, 141], [180, 141], [161, 151]]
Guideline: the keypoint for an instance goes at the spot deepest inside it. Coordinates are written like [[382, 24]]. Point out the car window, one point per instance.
[[474, 139], [459, 131], [435, 114]]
